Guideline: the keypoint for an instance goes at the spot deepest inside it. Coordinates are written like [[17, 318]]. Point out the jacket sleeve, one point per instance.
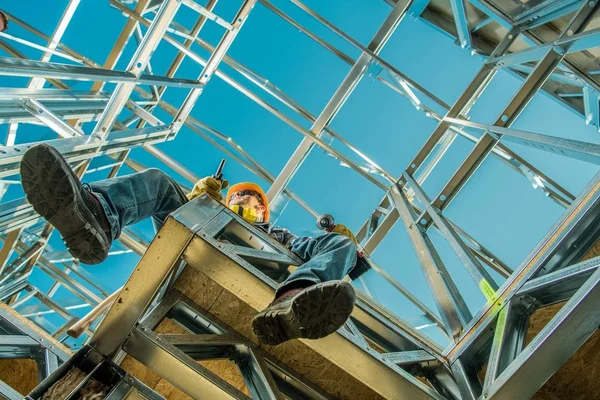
[[282, 235]]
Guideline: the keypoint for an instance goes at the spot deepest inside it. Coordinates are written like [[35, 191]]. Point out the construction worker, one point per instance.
[[3, 21], [312, 302]]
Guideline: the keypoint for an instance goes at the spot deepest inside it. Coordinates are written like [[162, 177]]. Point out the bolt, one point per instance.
[[510, 36]]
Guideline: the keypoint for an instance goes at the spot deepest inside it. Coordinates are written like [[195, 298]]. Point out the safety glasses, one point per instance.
[[247, 193]]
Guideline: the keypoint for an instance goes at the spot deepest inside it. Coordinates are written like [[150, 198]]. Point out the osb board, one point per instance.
[[226, 307], [36, 328], [577, 378], [225, 369], [21, 375]]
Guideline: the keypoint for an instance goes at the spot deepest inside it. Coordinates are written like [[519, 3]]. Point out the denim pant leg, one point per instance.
[[132, 198], [328, 257]]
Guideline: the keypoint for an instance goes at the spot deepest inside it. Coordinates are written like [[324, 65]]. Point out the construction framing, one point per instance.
[[548, 44]]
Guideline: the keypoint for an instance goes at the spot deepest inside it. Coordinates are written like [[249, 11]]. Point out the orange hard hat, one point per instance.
[[249, 186]]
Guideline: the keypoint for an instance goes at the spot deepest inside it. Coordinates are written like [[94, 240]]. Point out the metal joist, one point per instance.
[[338, 99], [510, 113], [138, 63], [574, 323], [450, 303]]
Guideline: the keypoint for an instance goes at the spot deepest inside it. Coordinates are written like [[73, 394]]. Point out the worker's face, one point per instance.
[[2, 25], [248, 201]]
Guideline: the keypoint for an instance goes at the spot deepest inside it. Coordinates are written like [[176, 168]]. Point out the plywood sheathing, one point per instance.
[[577, 378], [229, 309], [225, 369], [22, 375], [49, 339]]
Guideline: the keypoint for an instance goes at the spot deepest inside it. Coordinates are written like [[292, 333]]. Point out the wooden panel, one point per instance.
[[22, 375], [576, 379], [225, 369], [230, 310]]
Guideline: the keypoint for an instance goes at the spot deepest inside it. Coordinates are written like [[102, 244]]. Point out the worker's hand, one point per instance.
[[344, 230], [210, 186]]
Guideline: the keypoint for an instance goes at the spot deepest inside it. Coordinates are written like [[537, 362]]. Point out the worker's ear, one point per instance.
[[260, 207]]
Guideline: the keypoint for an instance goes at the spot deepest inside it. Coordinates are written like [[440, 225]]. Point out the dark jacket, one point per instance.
[[282, 235]]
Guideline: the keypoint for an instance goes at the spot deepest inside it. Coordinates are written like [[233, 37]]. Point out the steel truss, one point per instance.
[[19, 340], [493, 337]]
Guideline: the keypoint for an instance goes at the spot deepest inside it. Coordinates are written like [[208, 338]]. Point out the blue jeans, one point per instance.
[[132, 198]]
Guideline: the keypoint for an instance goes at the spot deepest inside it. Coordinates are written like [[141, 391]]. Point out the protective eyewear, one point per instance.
[[247, 193]]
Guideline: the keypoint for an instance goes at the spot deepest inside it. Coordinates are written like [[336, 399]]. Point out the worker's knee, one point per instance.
[[337, 240], [156, 175]]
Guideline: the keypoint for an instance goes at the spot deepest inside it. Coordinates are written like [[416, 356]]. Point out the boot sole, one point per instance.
[[54, 192], [315, 313]]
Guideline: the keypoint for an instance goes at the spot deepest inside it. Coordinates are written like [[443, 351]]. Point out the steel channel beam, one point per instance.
[[78, 148], [509, 115], [462, 23], [428, 313], [9, 392], [574, 323], [450, 303], [569, 44], [167, 247], [462, 104], [8, 247], [407, 358], [590, 106], [509, 339], [51, 120], [20, 326], [65, 20], [338, 99], [552, 251], [117, 50], [340, 54], [584, 151], [176, 367], [212, 64], [468, 383], [138, 63], [29, 68], [559, 285], [478, 273], [257, 376]]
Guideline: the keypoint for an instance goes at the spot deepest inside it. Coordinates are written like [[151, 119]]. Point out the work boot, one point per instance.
[[311, 313], [56, 193]]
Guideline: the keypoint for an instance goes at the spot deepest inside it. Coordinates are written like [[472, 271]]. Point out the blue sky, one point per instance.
[[497, 206]]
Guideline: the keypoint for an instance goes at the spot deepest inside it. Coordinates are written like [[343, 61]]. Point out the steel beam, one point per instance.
[[478, 273], [510, 113], [450, 303], [338, 99], [574, 323], [462, 23], [584, 151], [29, 68], [138, 63], [177, 368]]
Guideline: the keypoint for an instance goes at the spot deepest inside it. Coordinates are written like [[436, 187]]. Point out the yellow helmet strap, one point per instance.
[[248, 214]]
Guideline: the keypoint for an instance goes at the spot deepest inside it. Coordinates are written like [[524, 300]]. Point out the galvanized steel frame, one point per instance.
[[58, 109]]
